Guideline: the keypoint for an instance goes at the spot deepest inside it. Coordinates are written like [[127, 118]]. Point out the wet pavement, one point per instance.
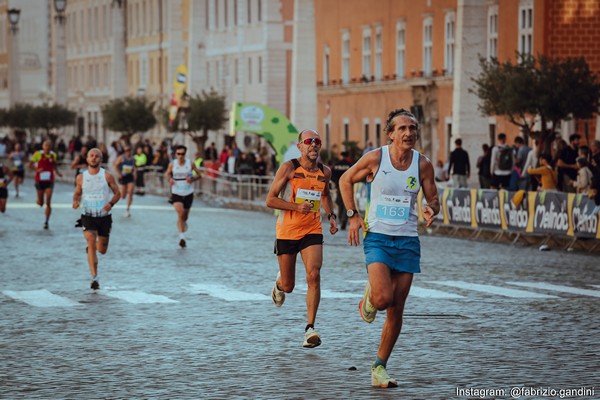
[[199, 323]]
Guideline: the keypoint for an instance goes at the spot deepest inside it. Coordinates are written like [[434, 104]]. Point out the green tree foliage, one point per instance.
[[129, 115], [552, 90], [25, 117], [201, 113]]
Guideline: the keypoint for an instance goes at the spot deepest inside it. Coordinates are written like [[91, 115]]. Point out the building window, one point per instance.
[[526, 27], [378, 53], [236, 72], [249, 12], [366, 131], [250, 70], [400, 49], [260, 70], [217, 14], [345, 57], [492, 32], [427, 45], [449, 43], [208, 73], [326, 67], [377, 133], [346, 131], [259, 11], [366, 53]]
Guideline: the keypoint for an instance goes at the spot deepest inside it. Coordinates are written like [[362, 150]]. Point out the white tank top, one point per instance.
[[180, 174], [392, 197], [96, 193]]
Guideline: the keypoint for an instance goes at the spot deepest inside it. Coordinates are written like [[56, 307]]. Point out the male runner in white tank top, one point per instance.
[[92, 192], [394, 176]]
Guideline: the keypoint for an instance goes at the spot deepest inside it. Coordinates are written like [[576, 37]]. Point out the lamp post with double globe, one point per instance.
[[60, 85], [15, 77]]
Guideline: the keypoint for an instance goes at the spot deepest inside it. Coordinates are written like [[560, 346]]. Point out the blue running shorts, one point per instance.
[[399, 253]]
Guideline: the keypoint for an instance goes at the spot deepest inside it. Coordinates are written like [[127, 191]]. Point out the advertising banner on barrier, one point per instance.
[[515, 210], [551, 213], [486, 209], [584, 216], [457, 206]]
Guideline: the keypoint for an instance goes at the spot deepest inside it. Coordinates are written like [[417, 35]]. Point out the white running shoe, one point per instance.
[[311, 338], [277, 295]]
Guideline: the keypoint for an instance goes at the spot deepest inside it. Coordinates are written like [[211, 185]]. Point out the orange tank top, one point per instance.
[[304, 186]]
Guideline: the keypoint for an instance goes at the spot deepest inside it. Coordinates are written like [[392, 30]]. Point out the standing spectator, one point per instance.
[[532, 161], [459, 167], [61, 149], [113, 153], [548, 176], [483, 167], [584, 176], [224, 155], [567, 164], [5, 178], [441, 174], [210, 154], [367, 149], [595, 157], [141, 160], [522, 152], [502, 163]]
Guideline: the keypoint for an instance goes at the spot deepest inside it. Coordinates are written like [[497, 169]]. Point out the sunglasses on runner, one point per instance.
[[310, 141], [180, 154]]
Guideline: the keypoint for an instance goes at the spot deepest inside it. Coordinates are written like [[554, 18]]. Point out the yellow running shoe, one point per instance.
[[380, 378], [367, 311]]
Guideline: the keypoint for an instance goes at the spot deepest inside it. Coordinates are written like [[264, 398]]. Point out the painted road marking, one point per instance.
[[226, 293], [558, 288], [502, 291], [433, 293], [41, 298], [135, 297], [122, 207]]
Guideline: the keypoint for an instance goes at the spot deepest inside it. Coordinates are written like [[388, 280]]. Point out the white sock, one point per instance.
[[182, 235]]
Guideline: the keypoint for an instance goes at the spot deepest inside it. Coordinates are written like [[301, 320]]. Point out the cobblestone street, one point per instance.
[[199, 323]]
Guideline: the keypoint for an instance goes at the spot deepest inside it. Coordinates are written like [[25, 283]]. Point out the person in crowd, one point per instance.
[[43, 162], [441, 174], [210, 153], [17, 160], [181, 178], [141, 160], [584, 176], [483, 167], [79, 163], [300, 189], [532, 161], [97, 193], [459, 167], [567, 164], [341, 165], [522, 151], [502, 163], [5, 179], [125, 170], [395, 174], [548, 176]]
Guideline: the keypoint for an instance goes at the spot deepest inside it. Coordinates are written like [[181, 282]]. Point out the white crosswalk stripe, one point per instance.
[[40, 298], [558, 288], [497, 290], [135, 297], [433, 293], [226, 293]]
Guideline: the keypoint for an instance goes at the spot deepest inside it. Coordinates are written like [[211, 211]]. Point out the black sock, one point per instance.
[[309, 326]]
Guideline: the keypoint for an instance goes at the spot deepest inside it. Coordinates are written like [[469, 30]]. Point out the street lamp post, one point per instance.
[[15, 78], [60, 86]]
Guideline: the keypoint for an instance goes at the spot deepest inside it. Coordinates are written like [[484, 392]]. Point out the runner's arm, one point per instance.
[[281, 178], [432, 208], [78, 191], [327, 204], [115, 189]]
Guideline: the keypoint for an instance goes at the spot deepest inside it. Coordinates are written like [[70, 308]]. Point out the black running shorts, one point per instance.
[[102, 225], [284, 246], [186, 200], [43, 185]]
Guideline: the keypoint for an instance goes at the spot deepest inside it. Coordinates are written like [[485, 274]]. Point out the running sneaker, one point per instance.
[[127, 213], [311, 338], [380, 378], [45, 225], [277, 295], [182, 243], [367, 311], [95, 285]]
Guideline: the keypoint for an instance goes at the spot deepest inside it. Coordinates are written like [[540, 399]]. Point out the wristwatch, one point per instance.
[[351, 213], [331, 215]]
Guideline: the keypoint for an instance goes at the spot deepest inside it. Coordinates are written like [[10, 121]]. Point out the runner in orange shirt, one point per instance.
[[300, 188]]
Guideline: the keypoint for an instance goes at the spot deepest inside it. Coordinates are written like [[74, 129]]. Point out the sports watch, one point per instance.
[[351, 213]]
